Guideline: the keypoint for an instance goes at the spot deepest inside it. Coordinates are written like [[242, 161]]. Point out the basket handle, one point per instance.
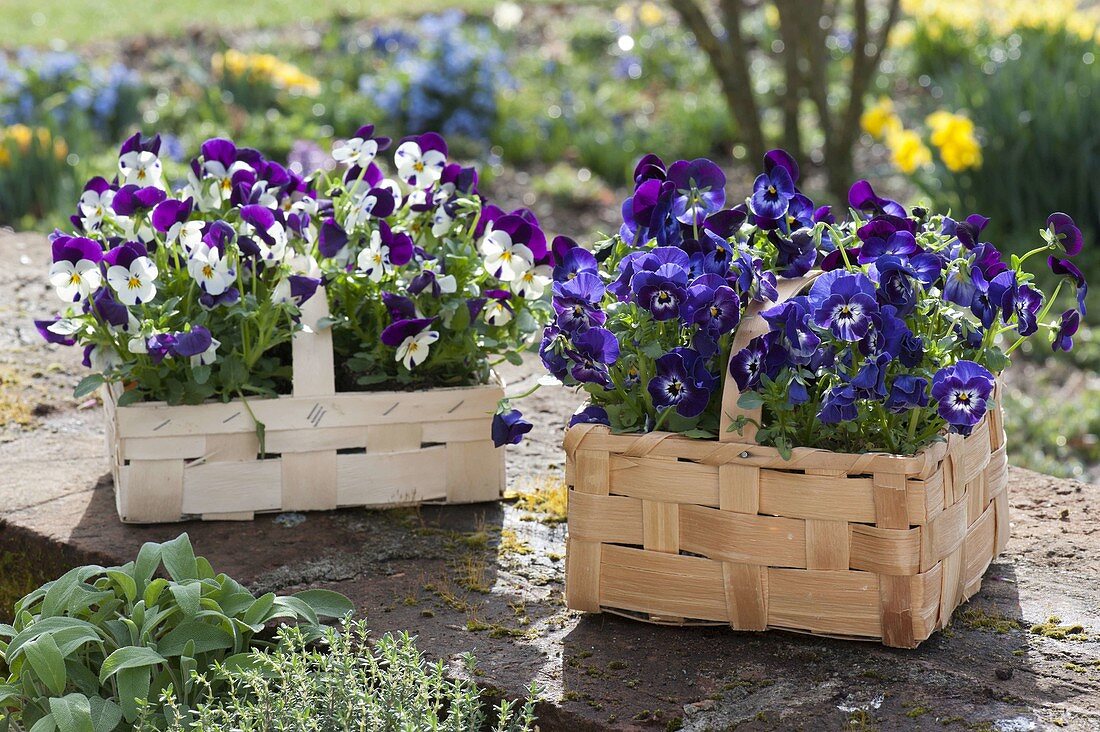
[[751, 326]]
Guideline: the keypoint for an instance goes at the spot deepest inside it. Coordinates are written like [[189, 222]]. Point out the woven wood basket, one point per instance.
[[323, 450], [673, 530]]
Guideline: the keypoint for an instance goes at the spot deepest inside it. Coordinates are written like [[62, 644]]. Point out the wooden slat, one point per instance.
[[591, 472], [311, 350], [163, 448], [610, 519], [891, 504], [232, 487], [396, 478], [475, 472], [456, 430], [661, 526], [663, 480], [151, 491], [746, 587], [739, 488], [342, 410], [309, 481], [885, 551], [829, 602], [897, 613], [741, 538], [979, 545], [232, 448], [397, 437], [924, 591], [582, 575], [826, 545], [943, 536], [667, 585], [799, 496], [314, 439]]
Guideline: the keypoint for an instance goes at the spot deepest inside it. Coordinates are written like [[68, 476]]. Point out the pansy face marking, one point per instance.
[[134, 284], [510, 259], [374, 261], [140, 167], [75, 280]]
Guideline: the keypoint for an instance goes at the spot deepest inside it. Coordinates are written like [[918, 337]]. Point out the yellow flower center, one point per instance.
[[134, 283], [207, 271], [74, 279], [418, 167]]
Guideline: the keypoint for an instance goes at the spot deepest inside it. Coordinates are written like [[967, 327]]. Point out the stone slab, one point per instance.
[[488, 580]]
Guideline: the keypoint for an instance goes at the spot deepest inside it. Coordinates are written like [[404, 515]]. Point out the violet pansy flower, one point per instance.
[[962, 392]]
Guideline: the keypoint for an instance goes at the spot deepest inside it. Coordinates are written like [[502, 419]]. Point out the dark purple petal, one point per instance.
[[1069, 236], [192, 343], [509, 428], [171, 212], [51, 337], [394, 335]]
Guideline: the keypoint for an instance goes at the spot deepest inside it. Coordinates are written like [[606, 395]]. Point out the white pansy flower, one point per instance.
[[355, 151], [140, 167], [75, 281], [374, 261], [419, 168], [501, 254], [497, 312], [94, 206], [447, 284], [136, 283], [414, 349], [207, 357], [441, 222], [211, 270], [533, 283]]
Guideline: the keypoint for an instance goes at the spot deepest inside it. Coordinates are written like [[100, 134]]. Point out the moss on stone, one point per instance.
[[1053, 628], [977, 619]]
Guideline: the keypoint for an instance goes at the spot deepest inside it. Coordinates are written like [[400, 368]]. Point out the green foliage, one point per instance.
[[34, 173], [602, 108], [1032, 96], [85, 649], [338, 684]]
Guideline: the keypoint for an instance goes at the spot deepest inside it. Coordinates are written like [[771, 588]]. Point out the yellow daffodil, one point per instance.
[[879, 120], [954, 136], [908, 151]]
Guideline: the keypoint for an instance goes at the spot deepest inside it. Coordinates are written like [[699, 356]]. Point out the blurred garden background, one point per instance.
[[979, 107]]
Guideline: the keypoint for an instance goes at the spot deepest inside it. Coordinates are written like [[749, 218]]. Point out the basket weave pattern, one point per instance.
[[323, 450], [674, 530]]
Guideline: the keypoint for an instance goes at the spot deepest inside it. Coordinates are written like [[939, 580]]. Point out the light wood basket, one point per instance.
[[323, 450], [870, 546]]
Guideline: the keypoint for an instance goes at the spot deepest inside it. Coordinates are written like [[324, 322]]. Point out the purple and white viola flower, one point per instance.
[[374, 260], [498, 310], [507, 259], [134, 283], [420, 161], [95, 203], [210, 269], [412, 339], [75, 273], [140, 168], [532, 284], [360, 149]]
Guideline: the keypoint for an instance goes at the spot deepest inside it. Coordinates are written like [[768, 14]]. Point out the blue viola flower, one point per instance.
[[759, 358], [727, 222], [713, 305], [1064, 233], [750, 279], [967, 232], [962, 392], [590, 414], [577, 302], [791, 320], [772, 192], [700, 187], [844, 303], [870, 380], [592, 352], [574, 262], [1069, 270], [984, 304], [839, 405], [1065, 330], [907, 392], [797, 254], [862, 197], [628, 265], [897, 243], [649, 167], [509, 428], [682, 381], [552, 351], [663, 292]]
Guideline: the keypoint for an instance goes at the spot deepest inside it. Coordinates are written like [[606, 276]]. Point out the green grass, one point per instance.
[[77, 22]]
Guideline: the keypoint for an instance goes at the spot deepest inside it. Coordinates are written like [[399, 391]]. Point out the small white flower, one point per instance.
[[75, 281], [136, 283], [207, 267], [140, 167], [447, 284], [94, 206], [419, 168], [362, 211], [137, 344], [533, 283], [189, 234], [441, 222], [103, 359], [512, 260], [355, 151], [507, 15], [414, 349], [374, 261], [497, 313], [218, 180], [207, 357]]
